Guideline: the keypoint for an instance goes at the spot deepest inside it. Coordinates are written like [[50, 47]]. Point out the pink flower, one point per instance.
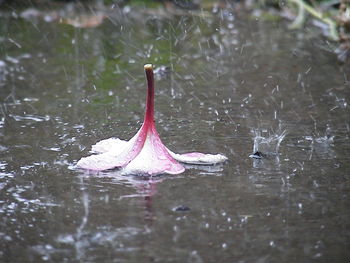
[[144, 153]]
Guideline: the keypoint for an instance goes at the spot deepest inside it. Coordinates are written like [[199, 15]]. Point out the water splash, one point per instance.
[[321, 146], [267, 146]]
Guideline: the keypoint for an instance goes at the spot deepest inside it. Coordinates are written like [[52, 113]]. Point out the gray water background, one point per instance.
[[232, 77]]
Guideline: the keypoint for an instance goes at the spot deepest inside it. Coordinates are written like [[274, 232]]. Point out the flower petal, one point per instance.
[[153, 158], [198, 158], [115, 145], [99, 162], [145, 152], [115, 157]]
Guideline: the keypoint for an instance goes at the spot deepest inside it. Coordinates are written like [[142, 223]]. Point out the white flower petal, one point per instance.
[[199, 158], [115, 145], [99, 162]]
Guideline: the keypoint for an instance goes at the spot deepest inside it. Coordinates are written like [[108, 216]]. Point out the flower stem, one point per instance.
[[149, 115]]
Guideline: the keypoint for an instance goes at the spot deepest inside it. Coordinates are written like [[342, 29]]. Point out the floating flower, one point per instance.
[[144, 153]]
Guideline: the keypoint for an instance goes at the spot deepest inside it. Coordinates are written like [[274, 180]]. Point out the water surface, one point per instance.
[[231, 77]]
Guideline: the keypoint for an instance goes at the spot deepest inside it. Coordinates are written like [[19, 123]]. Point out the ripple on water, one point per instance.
[[2, 164], [30, 117], [20, 197], [52, 149], [3, 148], [83, 240]]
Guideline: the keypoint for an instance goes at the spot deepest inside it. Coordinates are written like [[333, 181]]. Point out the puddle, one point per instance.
[[67, 83]]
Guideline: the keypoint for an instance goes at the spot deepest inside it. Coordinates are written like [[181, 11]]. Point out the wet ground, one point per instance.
[[225, 81]]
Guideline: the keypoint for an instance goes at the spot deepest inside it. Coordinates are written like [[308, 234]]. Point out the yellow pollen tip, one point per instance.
[[148, 67]]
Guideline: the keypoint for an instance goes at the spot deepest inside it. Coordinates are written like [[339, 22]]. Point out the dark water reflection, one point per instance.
[[63, 88]]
